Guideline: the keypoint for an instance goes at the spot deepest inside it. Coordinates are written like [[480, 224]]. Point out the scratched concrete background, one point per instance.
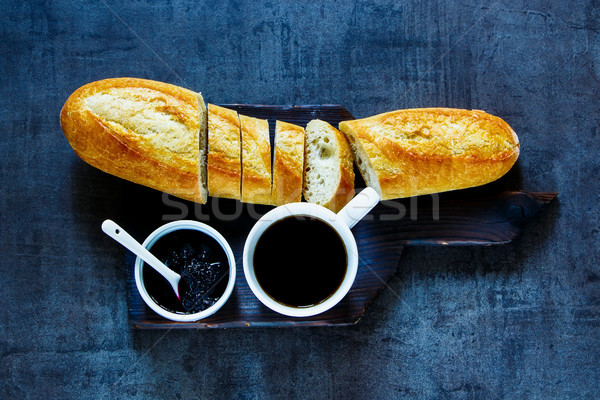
[[515, 321]]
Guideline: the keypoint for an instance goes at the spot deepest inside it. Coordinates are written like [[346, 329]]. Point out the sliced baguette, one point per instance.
[[256, 160], [328, 170], [147, 132], [421, 151], [288, 164], [224, 153]]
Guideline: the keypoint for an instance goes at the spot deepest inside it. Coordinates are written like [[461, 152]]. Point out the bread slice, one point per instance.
[[256, 160], [224, 153], [147, 132], [202, 150], [328, 170], [421, 151], [288, 164]]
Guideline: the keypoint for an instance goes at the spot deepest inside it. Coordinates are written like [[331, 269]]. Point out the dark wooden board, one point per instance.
[[244, 310], [459, 220], [300, 115], [481, 216]]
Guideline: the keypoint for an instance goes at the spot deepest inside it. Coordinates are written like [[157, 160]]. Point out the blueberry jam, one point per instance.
[[202, 264]]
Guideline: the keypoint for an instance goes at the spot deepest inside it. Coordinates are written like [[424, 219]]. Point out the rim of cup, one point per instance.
[[175, 226], [308, 210]]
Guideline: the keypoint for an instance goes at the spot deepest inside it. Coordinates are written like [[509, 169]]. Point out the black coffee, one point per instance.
[[300, 261], [202, 264]]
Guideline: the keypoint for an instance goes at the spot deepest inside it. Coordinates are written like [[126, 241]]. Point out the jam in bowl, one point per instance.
[[202, 257]]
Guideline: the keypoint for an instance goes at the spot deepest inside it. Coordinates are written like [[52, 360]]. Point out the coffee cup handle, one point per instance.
[[358, 207]]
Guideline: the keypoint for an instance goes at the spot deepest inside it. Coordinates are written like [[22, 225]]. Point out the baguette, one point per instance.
[[256, 160], [147, 132], [328, 169], [288, 164], [224, 159], [422, 151]]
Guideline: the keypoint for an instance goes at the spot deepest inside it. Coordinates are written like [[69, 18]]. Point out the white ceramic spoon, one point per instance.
[[120, 235]]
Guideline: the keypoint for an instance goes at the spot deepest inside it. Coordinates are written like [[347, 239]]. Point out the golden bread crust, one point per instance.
[[429, 150], [224, 153], [140, 130], [256, 160], [288, 164]]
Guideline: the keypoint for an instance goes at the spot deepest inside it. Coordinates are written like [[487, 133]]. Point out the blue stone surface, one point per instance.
[[506, 322]]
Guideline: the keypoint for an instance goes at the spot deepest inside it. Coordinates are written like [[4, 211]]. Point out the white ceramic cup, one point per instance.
[[341, 222], [189, 225]]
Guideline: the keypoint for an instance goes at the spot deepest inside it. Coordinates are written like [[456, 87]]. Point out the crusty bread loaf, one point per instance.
[[328, 170], [224, 153], [147, 132], [288, 164], [421, 151], [256, 160]]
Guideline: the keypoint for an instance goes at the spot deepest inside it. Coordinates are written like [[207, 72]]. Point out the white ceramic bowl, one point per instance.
[[189, 225]]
